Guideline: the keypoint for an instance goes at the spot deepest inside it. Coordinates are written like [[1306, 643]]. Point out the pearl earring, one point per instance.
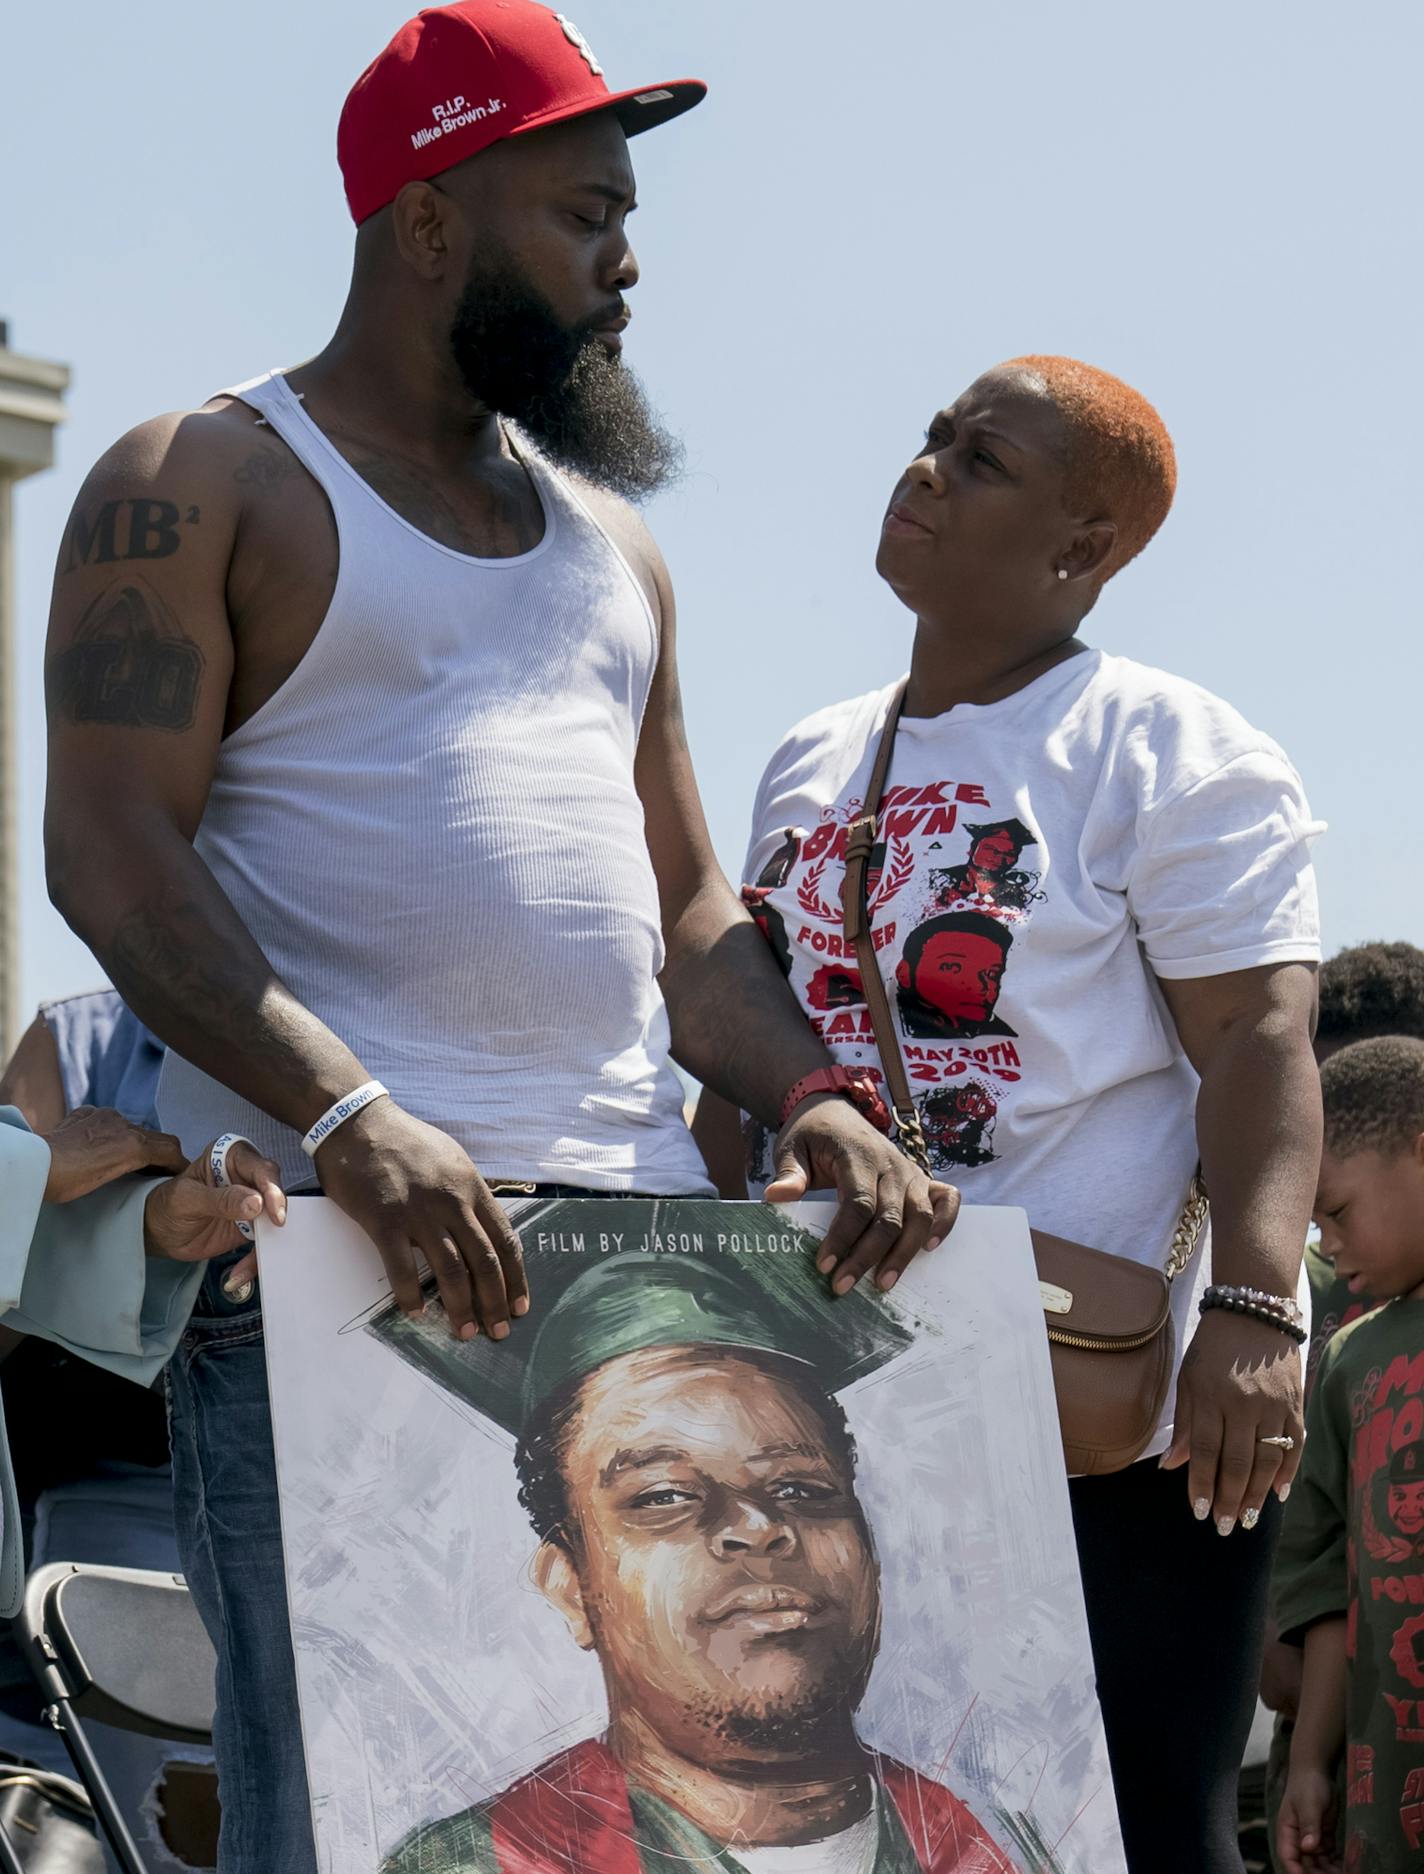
[[1062, 572]]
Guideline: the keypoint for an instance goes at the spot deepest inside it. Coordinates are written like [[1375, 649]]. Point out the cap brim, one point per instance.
[[637, 111], [592, 1309]]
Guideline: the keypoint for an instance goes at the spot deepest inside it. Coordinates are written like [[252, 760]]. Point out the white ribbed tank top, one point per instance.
[[432, 831]]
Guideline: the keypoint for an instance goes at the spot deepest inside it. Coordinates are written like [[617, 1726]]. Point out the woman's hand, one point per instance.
[[93, 1145], [192, 1218], [1240, 1383]]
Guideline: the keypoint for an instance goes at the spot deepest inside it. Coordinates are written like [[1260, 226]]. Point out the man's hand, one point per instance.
[[1305, 1827], [93, 1145], [1240, 1383], [193, 1219], [416, 1194], [889, 1210]]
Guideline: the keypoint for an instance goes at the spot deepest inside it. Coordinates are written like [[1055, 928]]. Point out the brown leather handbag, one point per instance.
[[1109, 1321]]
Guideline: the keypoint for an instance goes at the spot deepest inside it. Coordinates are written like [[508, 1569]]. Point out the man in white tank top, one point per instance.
[[368, 769]]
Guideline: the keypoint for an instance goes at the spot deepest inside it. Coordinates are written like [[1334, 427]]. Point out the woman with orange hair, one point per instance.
[[1146, 1003]]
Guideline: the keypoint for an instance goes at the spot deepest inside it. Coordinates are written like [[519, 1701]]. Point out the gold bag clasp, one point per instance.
[[1055, 1300]]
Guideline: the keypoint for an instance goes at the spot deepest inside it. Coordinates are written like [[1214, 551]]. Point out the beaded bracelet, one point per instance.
[[1285, 1305], [1234, 1304]]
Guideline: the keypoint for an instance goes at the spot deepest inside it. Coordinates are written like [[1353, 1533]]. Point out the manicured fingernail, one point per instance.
[[886, 1282], [1201, 1509], [500, 1330], [282, 1211], [1283, 1493], [843, 1284], [1225, 1525], [934, 1242], [521, 1304], [468, 1331], [826, 1264], [1250, 1518]]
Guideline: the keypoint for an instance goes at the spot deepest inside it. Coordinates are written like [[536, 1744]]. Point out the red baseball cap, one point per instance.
[[457, 78]]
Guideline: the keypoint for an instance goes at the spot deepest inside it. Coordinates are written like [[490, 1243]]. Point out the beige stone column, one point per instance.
[[31, 407]]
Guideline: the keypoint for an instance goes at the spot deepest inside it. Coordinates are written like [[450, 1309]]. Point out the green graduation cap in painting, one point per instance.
[[691, 1481], [601, 1293]]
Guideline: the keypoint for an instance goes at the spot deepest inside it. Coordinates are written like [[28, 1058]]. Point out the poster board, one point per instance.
[[607, 1595]]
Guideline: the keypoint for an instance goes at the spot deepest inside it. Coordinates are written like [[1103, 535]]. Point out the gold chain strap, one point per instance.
[[1189, 1229], [910, 1137]]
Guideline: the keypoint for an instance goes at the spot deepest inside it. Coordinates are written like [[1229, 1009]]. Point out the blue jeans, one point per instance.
[[230, 1542]]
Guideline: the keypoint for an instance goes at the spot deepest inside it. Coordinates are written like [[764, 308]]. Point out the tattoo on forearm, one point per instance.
[[137, 529], [129, 664], [735, 1024], [174, 969]]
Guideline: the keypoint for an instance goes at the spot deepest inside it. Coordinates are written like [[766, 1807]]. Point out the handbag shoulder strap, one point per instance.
[[855, 924]]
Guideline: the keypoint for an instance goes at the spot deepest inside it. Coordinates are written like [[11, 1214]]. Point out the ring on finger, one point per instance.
[[217, 1164], [1281, 1442]]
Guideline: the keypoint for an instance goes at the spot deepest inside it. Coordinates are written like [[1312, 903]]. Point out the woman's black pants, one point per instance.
[[1177, 1615]]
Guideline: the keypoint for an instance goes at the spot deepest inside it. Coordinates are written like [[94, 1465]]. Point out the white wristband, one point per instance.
[[338, 1115], [217, 1163]]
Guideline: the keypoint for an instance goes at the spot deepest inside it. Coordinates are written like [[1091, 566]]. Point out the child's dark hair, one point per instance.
[[1374, 1096], [1372, 989]]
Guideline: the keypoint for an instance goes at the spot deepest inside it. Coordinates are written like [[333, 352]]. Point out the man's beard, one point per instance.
[[561, 385], [790, 1724]]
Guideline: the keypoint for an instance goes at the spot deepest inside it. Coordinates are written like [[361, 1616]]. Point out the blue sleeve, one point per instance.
[[106, 1055], [82, 1028], [78, 1275], [24, 1172], [91, 1288]]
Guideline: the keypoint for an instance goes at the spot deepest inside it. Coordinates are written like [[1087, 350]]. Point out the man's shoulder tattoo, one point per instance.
[[130, 664], [138, 527]]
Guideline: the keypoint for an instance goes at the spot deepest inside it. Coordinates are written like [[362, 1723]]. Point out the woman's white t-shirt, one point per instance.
[[1042, 860]]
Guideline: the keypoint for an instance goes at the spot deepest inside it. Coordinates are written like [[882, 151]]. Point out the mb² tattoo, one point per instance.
[[136, 529]]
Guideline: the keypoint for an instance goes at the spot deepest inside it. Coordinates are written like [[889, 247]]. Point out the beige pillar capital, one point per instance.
[[31, 408]]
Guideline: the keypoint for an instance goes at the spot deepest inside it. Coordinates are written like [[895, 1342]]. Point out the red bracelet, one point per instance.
[[854, 1084]]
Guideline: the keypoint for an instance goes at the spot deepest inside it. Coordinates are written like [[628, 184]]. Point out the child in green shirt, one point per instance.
[[1350, 1574]]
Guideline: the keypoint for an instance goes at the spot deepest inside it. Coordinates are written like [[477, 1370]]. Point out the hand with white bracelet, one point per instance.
[[209, 1208], [416, 1194]]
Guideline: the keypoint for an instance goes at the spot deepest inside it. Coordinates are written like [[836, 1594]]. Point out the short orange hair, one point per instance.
[[1121, 463]]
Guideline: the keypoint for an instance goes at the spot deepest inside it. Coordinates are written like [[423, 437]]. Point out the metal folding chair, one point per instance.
[[10, 1862], [119, 1646]]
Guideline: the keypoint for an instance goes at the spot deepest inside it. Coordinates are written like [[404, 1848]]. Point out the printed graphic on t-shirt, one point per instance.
[[990, 880], [1385, 1795], [951, 901]]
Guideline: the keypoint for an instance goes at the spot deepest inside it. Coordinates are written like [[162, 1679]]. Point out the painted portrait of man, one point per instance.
[[949, 977], [690, 1478]]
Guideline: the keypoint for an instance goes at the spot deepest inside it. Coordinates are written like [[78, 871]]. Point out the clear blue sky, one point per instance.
[[1219, 202]]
